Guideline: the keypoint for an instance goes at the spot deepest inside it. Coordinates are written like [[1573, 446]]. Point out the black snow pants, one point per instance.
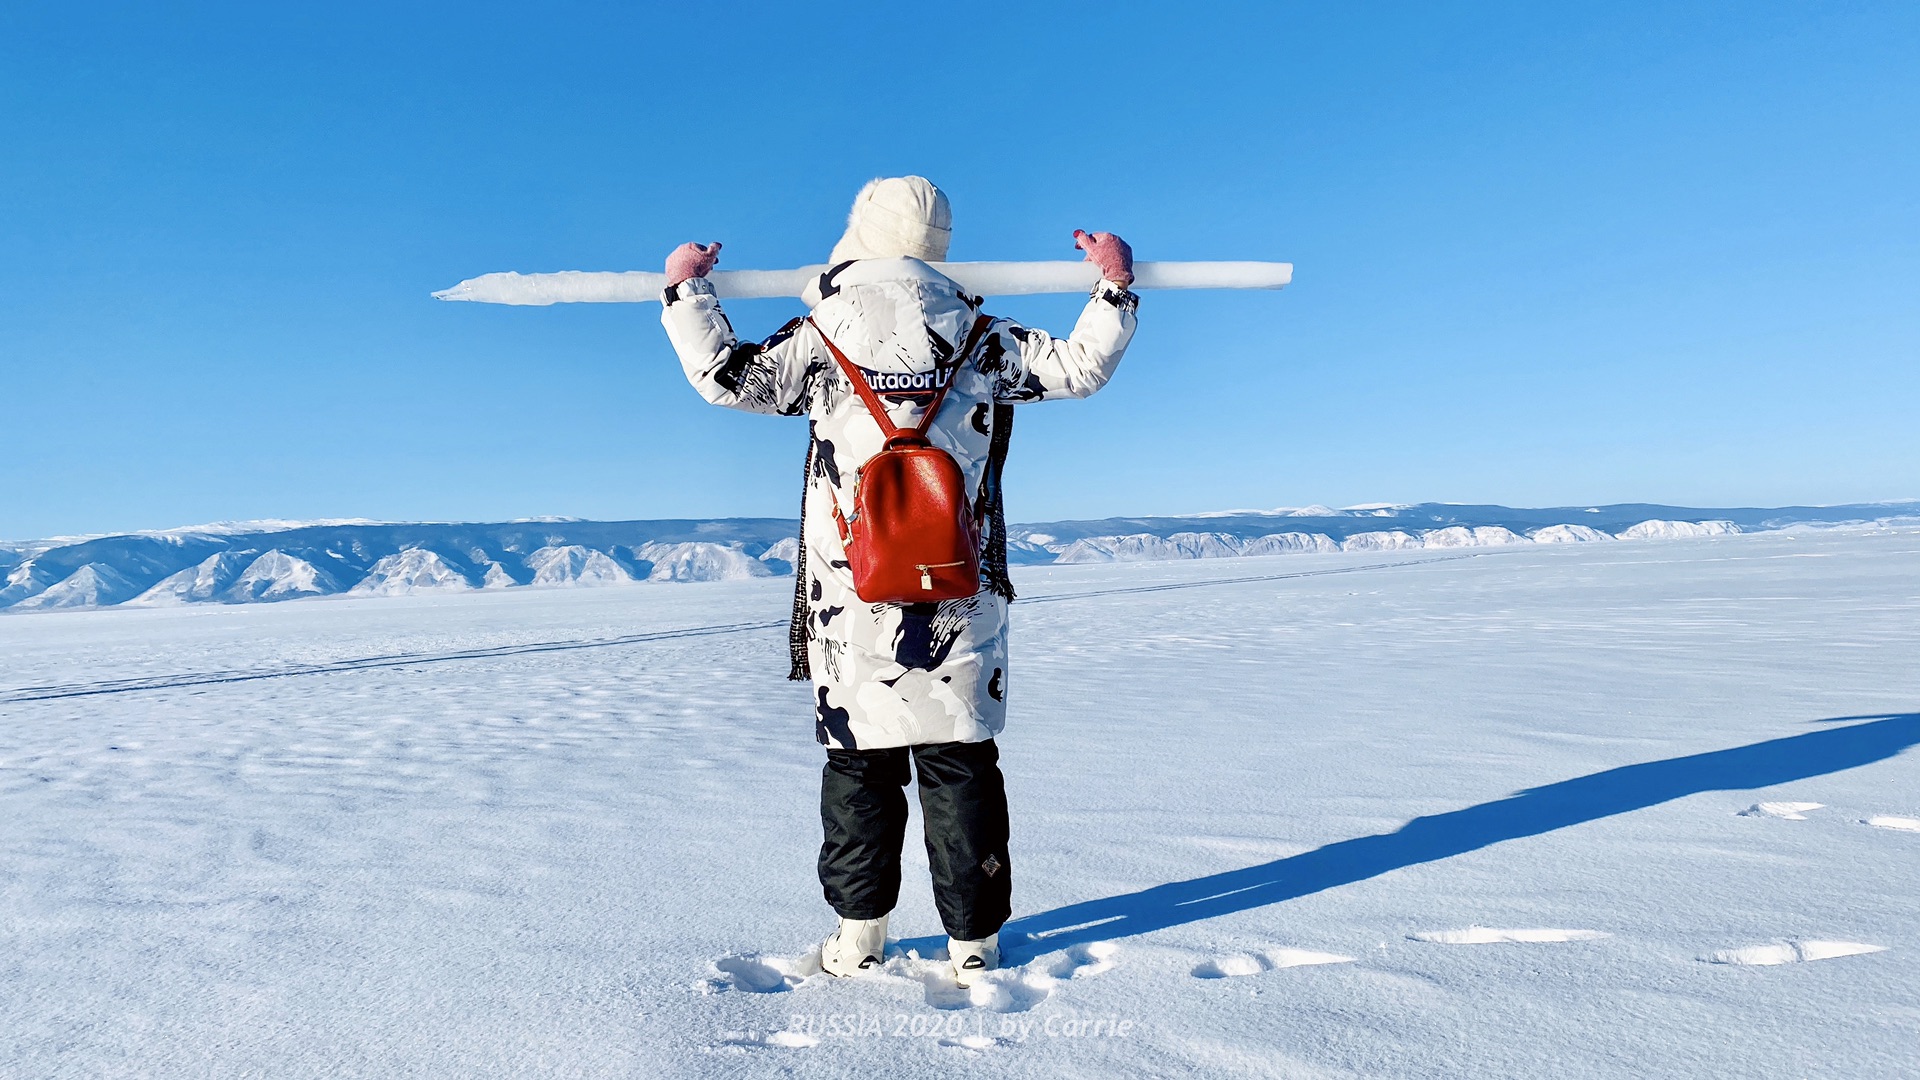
[[963, 800]]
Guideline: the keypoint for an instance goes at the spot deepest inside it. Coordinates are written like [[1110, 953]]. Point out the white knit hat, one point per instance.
[[900, 216]]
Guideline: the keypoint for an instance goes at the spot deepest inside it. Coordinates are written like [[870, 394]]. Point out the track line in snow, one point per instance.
[[210, 678], [214, 678]]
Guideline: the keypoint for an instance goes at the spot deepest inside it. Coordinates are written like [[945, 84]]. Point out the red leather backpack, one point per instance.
[[913, 536]]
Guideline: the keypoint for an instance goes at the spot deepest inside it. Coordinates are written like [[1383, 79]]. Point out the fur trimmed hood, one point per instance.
[[897, 217]]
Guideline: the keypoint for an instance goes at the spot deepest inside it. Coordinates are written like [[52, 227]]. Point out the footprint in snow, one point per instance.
[[754, 974], [1082, 961], [1788, 811], [1014, 989], [1486, 935], [1900, 824], [1792, 952], [1238, 964]]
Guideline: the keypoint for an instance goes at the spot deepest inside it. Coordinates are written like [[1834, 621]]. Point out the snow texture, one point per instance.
[[1785, 811], [1261, 811], [1792, 952], [1485, 935], [1239, 964]]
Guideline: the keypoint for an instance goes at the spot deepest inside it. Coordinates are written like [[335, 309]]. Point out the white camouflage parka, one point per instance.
[[889, 675]]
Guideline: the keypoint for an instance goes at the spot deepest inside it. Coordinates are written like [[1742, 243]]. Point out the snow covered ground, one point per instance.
[[1581, 810]]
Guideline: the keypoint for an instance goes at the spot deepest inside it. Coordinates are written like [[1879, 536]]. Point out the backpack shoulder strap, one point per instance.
[[980, 325]]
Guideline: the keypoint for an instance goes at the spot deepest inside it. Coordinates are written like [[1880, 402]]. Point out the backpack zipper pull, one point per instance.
[[926, 572]]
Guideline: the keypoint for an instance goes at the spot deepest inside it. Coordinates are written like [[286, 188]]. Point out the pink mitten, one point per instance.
[[691, 260], [1108, 252]]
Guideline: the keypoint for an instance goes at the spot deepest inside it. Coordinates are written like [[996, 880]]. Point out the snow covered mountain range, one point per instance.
[[259, 562]]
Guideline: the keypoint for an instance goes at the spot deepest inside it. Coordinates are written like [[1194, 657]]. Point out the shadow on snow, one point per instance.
[[1427, 839]]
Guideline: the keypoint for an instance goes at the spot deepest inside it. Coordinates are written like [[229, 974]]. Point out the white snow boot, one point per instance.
[[858, 947], [972, 959]]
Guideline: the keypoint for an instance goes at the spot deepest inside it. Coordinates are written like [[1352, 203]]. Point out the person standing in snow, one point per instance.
[[900, 683]]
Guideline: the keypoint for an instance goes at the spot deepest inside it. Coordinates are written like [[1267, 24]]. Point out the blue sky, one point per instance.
[[1545, 254]]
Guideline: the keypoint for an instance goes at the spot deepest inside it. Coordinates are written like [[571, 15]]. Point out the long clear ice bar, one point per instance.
[[982, 278]]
